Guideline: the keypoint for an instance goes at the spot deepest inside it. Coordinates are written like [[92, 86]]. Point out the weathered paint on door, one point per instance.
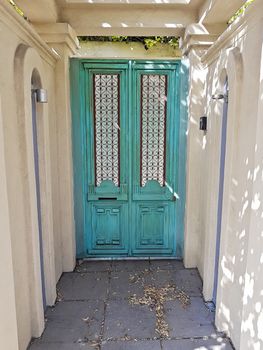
[[126, 119]]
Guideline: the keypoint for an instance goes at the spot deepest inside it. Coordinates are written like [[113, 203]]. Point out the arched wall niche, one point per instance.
[[28, 69], [230, 66]]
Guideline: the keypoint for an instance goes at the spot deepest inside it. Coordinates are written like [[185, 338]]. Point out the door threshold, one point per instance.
[[128, 258]]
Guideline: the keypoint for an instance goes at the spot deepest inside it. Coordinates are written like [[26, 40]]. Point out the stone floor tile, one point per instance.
[[195, 320], [132, 345], [93, 266], [74, 321], [59, 346], [167, 264], [124, 284], [194, 344], [189, 280], [130, 265], [123, 319], [159, 278], [81, 317], [78, 286]]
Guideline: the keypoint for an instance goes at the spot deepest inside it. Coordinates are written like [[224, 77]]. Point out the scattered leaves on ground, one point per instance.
[[154, 298], [139, 276]]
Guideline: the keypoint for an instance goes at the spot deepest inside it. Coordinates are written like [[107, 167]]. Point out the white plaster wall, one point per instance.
[[8, 326], [252, 316], [14, 186], [241, 170], [115, 50], [239, 297], [17, 65], [193, 238]]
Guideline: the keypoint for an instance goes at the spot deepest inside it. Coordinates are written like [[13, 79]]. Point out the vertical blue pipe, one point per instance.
[[221, 189]]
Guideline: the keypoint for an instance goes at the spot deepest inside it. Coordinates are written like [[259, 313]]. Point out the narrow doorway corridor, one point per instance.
[[130, 305]]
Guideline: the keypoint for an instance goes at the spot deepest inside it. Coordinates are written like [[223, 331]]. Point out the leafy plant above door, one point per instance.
[[147, 41]]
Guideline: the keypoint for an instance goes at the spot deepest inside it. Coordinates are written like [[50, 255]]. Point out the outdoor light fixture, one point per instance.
[[220, 97], [203, 123], [41, 95]]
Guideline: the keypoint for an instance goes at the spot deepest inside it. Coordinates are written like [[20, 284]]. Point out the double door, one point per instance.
[[130, 158]]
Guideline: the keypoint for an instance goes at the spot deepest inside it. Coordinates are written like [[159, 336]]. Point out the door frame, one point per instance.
[[77, 68]]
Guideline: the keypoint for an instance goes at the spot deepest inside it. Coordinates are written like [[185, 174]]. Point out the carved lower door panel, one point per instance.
[[130, 135]]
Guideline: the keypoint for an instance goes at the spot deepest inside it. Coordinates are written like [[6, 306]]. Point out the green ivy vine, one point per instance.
[[147, 41]]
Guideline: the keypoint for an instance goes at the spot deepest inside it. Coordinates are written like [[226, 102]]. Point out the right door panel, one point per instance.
[[154, 150]]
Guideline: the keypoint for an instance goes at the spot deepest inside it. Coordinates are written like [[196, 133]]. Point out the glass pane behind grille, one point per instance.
[[153, 127], [107, 128]]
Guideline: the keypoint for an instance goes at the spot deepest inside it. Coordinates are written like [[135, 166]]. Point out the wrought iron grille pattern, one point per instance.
[[153, 127], [107, 127]]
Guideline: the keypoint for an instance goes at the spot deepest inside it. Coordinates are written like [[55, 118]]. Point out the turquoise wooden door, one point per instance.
[[128, 139]]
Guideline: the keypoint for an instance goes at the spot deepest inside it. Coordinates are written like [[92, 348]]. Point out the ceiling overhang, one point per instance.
[[135, 20], [131, 17]]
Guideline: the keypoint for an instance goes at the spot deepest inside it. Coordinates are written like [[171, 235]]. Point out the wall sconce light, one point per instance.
[[218, 97], [203, 123], [41, 95]]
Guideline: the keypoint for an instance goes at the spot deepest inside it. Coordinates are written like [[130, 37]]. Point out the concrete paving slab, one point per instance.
[[123, 319], [189, 280], [167, 264], [123, 284], [82, 317], [74, 322], [93, 266], [59, 346], [86, 286], [73, 309], [160, 278], [194, 320], [197, 344], [130, 265], [132, 345]]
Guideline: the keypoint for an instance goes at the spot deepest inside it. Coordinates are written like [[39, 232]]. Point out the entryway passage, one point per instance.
[[126, 121], [133, 305]]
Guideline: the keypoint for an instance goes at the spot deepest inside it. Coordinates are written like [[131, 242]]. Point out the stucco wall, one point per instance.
[[93, 49], [20, 55], [238, 55]]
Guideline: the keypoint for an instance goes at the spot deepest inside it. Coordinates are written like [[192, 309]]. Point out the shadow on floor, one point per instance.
[[105, 306]]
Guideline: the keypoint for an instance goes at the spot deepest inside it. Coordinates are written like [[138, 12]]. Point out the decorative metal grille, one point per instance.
[[153, 127], [107, 127]]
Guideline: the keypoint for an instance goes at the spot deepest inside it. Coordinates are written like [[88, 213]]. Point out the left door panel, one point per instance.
[[106, 178]]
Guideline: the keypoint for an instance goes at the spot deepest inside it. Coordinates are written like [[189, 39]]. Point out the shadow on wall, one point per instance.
[[240, 287]]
